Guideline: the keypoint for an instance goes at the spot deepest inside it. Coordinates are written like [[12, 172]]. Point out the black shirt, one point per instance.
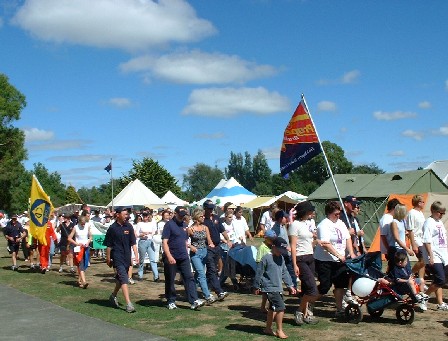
[[65, 232], [120, 238], [13, 230], [215, 228]]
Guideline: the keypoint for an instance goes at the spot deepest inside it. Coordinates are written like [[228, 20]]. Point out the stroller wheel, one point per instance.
[[353, 313], [405, 314], [375, 313]]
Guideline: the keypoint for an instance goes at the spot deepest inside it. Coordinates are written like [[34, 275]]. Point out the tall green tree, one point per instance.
[[71, 196], [12, 140], [371, 168], [261, 175], [315, 172], [152, 175], [52, 184], [200, 180]]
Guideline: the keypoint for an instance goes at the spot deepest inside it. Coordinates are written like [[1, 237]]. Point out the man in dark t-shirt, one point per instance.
[[14, 234], [120, 238], [175, 259]]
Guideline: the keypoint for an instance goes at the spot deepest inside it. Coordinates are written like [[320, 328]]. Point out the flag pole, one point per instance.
[[326, 159], [112, 183]]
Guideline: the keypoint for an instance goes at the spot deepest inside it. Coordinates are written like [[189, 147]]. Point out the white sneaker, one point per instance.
[[197, 304], [422, 306], [348, 298], [442, 306], [60, 270], [131, 281], [171, 306]]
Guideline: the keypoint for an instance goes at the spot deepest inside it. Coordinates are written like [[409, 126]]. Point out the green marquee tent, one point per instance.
[[374, 190]]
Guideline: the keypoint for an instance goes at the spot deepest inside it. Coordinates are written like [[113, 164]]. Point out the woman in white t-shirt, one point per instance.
[[302, 239], [331, 253], [436, 246], [145, 231]]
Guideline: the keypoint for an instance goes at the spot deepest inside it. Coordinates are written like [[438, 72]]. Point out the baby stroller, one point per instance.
[[376, 295], [241, 260]]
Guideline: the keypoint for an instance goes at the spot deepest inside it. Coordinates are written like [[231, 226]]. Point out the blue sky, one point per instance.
[[185, 82]]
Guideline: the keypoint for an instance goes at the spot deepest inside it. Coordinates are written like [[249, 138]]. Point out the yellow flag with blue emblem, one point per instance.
[[40, 210]]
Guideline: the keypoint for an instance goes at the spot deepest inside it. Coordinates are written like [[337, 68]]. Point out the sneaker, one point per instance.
[[60, 270], [311, 319], [197, 304], [222, 295], [442, 306], [339, 313], [113, 300], [344, 304], [210, 300], [171, 306], [130, 308], [422, 306], [32, 266], [13, 267], [131, 281], [348, 298], [72, 270], [43, 270], [298, 318]]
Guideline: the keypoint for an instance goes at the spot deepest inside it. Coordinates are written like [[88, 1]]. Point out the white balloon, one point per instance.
[[362, 287]]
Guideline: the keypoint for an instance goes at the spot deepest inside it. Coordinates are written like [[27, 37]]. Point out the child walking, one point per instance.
[[268, 279]]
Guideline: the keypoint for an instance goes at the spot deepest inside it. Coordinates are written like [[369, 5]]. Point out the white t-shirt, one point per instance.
[[335, 233], [82, 234], [240, 227], [385, 221], [230, 232], [414, 222], [434, 233], [401, 234], [147, 227], [266, 220], [303, 230]]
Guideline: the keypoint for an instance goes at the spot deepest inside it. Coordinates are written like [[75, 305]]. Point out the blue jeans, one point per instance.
[[146, 246], [199, 259]]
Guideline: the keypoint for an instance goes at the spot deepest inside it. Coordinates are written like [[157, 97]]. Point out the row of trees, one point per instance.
[[252, 172]]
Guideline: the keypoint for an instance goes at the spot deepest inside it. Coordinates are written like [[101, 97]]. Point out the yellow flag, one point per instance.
[[40, 210]]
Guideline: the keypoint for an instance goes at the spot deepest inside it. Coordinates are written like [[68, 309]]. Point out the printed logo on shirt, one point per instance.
[[126, 232]]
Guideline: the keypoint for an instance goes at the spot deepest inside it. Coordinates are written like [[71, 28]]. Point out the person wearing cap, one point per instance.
[[119, 240], [352, 224], [14, 233], [271, 271], [303, 238], [215, 229], [65, 228], [281, 230], [263, 250], [330, 255], [175, 259], [145, 231]]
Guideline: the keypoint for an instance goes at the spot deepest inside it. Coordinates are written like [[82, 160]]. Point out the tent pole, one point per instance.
[[326, 160]]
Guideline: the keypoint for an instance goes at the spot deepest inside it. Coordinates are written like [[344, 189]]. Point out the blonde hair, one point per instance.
[[416, 199], [400, 212], [437, 206], [197, 213]]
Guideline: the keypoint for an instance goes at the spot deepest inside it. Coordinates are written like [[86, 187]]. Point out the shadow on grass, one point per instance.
[[73, 283], [246, 328], [101, 303], [151, 303], [249, 312]]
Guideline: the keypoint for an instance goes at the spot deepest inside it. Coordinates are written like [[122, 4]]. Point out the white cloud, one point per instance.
[[197, 67], [424, 105], [120, 102], [81, 158], [416, 135], [227, 102], [35, 134], [59, 145], [272, 153], [349, 77], [397, 153], [213, 136], [441, 131], [326, 106], [123, 24], [392, 116]]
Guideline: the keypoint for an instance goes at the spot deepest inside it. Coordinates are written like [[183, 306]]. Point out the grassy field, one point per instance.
[[238, 317]]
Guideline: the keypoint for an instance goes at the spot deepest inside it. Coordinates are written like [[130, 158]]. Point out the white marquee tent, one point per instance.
[[171, 199], [136, 194]]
